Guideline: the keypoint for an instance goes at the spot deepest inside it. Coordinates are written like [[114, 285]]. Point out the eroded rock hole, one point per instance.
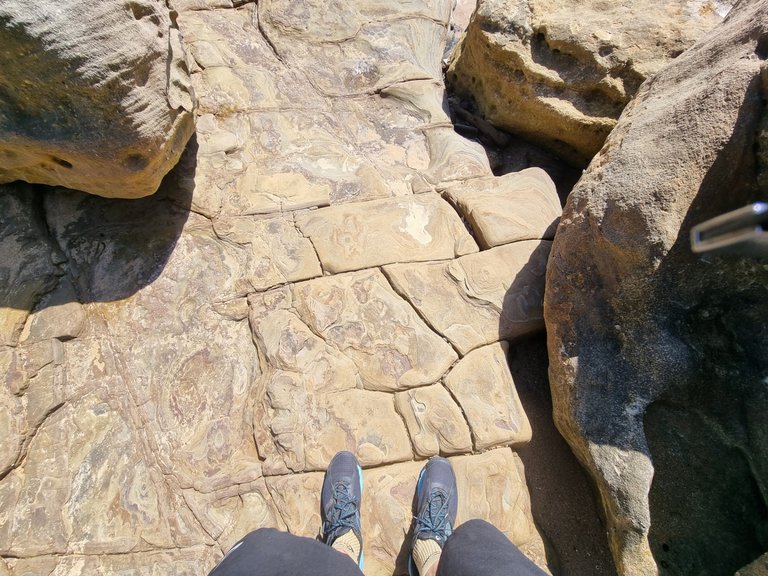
[[62, 162]]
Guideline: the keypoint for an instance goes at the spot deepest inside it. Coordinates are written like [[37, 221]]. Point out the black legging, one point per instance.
[[476, 547]]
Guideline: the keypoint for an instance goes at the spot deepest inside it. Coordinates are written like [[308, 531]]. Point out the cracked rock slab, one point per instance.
[[85, 460], [272, 250], [483, 385], [358, 40], [309, 401], [361, 316], [517, 206], [364, 235], [480, 298], [229, 514], [434, 421]]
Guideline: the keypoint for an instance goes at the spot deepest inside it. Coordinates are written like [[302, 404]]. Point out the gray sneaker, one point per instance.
[[340, 500], [437, 502]]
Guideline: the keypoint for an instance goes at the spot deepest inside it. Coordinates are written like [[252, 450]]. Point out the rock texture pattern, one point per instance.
[[179, 369], [559, 73], [95, 97], [657, 355]]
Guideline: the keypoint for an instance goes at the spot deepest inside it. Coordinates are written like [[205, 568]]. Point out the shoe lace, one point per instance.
[[434, 519], [343, 514]]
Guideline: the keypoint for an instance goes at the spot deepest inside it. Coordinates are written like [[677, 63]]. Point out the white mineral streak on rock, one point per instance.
[[366, 234], [415, 225]]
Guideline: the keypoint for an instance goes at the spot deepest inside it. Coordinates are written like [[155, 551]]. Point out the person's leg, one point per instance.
[[477, 547], [269, 552]]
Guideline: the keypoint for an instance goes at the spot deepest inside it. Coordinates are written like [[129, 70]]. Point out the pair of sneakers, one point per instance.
[[436, 503]]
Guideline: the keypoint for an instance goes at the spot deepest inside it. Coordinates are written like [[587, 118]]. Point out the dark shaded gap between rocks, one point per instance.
[[563, 501]]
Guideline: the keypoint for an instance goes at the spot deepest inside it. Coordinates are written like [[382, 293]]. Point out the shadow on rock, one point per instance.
[[61, 246], [563, 502], [562, 498], [706, 431]]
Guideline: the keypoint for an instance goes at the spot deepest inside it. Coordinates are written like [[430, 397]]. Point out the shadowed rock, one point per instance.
[[657, 355], [94, 97]]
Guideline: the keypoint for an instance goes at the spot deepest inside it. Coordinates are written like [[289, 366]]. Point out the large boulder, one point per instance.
[[658, 356], [559, 72], [93, 95]]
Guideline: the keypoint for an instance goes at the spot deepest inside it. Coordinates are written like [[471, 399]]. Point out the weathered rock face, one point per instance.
[[559, 73], [179, 369], [658, 357], [94, 97]]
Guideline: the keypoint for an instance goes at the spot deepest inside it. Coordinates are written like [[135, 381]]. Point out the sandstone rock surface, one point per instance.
[[481, 298], [757, 568], [94, 97], [418, 228], [484, 388], [657, 355], [559, 73], [517, 206], [179, 369]]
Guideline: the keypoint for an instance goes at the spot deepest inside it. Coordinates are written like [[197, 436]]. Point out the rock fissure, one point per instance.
[[28, 438]]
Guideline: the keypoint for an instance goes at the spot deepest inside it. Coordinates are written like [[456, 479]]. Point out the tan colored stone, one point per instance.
[[196, 409], [357, 39], [297, 496], [364, 235], [559, 72], [635, 326], [223, 45], [186, 391], [453, 158], [309, 403], [276, 161], [274, 251], [31, 390], [233, 512], [361, 316], [61, 316], [197, 559], [517, 206], [491, 487], [84, 459], [483, 386], [757, 568], [480, 298], [11, 426], [434, 421]]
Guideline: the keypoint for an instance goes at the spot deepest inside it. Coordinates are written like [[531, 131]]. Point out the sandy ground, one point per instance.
[[562, 498]]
